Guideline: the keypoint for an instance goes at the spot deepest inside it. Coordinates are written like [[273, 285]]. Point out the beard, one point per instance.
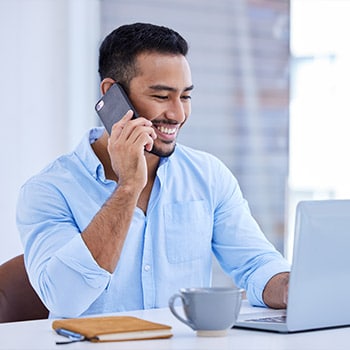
[[158, 151]]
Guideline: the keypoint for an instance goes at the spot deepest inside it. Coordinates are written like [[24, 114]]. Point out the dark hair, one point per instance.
[[120, 48]]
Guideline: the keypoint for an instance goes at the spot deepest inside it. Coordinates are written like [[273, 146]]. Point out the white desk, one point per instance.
[[36, 335]]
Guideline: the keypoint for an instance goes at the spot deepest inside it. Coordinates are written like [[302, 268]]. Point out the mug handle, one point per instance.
[[174, 312]]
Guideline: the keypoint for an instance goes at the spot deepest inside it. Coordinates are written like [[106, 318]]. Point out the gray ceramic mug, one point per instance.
[[209, 311]]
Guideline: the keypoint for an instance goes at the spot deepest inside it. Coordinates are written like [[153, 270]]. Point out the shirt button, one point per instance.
[[147, 267]]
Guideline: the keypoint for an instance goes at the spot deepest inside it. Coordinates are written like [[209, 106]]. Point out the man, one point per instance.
[[127, 219]]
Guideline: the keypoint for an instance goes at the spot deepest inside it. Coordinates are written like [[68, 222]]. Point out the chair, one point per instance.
[[18, 300]]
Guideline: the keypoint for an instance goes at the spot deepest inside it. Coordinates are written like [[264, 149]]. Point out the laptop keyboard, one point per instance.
[[274, 319]]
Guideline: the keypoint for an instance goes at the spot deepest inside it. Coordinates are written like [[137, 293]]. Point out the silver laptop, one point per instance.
[[319, 287]]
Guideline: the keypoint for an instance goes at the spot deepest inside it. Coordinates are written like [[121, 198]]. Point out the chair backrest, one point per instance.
[[18, 299]]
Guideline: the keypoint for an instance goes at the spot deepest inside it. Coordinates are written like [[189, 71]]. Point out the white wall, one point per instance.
[[48, 88]]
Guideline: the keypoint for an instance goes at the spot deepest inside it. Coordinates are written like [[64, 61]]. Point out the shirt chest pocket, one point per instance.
[[188, 231]]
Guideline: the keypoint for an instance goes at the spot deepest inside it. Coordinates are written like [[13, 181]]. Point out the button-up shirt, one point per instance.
[[196, 208]]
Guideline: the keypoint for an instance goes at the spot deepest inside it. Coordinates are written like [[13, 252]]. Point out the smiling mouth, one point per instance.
[[166, 130]]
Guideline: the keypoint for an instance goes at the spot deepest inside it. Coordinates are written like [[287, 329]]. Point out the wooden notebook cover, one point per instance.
[[123, 327]]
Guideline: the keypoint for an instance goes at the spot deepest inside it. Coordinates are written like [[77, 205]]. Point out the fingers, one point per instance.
[[118, 127], [138, 132], [141, 134]]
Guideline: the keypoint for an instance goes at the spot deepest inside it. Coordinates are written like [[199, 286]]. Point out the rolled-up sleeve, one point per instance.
[[72, 265]]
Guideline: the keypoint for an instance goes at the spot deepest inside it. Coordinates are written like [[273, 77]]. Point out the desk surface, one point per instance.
[[36, 335]]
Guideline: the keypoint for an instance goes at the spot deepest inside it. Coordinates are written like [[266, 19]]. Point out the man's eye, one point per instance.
[[160, 97], [186, 97]]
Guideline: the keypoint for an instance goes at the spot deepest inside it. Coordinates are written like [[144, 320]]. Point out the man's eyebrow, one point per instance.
[[189, 88], [160, 87]]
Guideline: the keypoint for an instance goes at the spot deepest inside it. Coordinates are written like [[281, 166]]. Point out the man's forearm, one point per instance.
[[106, 233], [275, 294]]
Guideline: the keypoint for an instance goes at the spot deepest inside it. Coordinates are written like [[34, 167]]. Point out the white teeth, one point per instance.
[[165, 130]]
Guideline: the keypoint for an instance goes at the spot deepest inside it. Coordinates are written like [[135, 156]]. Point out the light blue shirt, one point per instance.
[[195, 208]]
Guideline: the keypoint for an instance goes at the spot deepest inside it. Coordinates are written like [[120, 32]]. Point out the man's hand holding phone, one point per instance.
[[126, 145]]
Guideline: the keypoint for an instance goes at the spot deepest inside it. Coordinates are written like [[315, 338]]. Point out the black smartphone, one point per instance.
[[113, 105]]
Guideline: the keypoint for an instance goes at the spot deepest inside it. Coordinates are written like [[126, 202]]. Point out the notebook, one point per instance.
[[319, 287], [109, 328]]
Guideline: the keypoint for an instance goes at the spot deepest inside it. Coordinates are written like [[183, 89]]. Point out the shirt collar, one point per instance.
[[86, 154]]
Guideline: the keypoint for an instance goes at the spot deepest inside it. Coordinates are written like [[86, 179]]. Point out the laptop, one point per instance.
[[319, 286]]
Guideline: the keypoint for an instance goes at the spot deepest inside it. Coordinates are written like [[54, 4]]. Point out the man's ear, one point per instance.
[[106, 83]]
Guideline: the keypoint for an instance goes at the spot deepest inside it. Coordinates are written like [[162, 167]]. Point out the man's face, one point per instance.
[[161, 92]]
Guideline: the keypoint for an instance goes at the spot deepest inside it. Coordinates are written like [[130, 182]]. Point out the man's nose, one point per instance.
[[176, 111]]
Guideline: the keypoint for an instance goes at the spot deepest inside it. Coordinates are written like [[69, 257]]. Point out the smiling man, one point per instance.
[[127, 219]]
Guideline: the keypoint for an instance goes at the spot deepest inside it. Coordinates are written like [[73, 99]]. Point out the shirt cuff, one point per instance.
[[260, 279], [77, 257]]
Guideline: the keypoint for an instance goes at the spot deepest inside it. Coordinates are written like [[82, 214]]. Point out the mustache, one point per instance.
[[165, 121]]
